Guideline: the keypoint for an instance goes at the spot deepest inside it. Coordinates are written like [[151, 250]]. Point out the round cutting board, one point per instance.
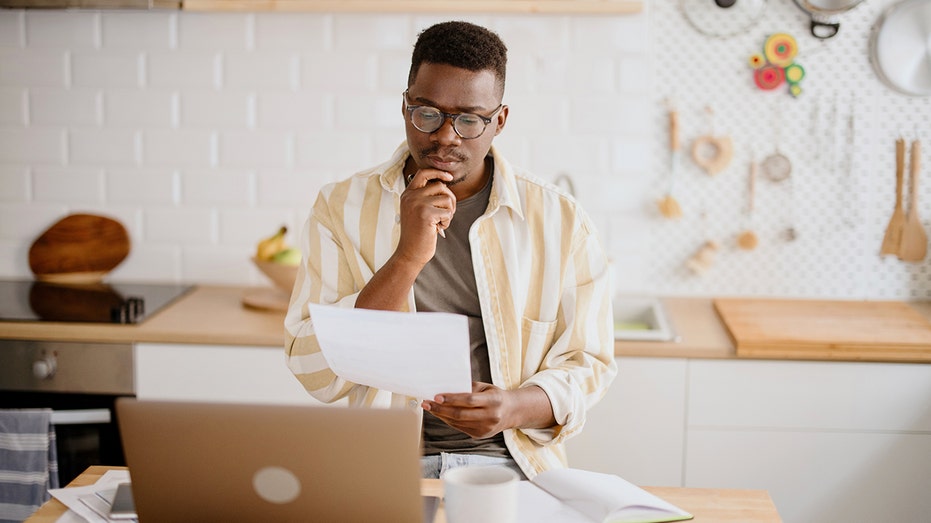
[[79, 248], [266, 299]]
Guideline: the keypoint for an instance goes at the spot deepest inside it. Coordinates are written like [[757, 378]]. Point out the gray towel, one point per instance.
[[28, 462]]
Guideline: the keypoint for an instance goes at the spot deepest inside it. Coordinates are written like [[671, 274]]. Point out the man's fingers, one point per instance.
[[423, 177]]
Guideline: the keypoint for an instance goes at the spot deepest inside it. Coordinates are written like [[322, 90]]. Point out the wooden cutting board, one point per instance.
[[79, 248], [826, 329]]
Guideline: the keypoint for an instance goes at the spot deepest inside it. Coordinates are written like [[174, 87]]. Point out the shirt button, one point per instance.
[[412, 403], [397, 218]]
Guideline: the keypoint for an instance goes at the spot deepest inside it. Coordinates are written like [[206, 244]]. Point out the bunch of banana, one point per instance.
[[275, 249]]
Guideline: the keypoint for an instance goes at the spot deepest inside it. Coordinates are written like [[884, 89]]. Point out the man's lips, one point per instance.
[[443, 162]]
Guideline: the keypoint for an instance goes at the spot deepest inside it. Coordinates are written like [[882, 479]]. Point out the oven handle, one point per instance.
[[80, 417]]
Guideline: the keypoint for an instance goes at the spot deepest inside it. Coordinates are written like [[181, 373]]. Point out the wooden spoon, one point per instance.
[[914, 239], [892, 241], [668, 206], [747, 239]]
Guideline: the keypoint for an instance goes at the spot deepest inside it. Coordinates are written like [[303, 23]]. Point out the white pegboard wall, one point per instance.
[[839, 135]]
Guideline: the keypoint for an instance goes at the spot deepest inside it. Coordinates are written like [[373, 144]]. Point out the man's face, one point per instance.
[[454, 90]]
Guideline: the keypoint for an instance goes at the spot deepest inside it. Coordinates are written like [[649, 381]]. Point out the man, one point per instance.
[[447, 224]]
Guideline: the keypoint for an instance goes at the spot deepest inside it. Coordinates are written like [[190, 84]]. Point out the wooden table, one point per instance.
[[709, 505]]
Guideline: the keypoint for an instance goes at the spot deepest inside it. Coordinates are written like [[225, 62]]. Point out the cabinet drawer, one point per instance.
[[216, 373], [815, 395], [815, 477]]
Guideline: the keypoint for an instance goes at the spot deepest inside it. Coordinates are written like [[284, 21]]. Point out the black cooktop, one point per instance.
[[28, 300]]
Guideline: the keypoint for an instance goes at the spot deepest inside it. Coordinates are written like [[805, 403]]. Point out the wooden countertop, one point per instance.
[[706, 504], [205, 315], [215, 315]]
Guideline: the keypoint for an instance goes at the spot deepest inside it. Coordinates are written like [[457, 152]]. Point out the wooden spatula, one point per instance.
[[914, 239], [892, 241]]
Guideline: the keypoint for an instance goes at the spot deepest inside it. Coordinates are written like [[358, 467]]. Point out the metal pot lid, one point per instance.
[[722, 18], [900, 47]]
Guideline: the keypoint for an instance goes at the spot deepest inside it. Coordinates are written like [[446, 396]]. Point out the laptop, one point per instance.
[[193, 461]]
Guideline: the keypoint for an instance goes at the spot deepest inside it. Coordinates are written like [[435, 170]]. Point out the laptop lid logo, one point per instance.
[[276, 485]]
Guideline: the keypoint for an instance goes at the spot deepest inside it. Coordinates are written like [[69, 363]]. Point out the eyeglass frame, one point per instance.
[[451, 116]]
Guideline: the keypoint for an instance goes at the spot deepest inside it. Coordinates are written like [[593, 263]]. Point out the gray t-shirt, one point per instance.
[[447, 284]]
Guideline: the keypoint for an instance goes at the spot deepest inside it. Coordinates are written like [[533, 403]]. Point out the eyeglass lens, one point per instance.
[[429, 119]]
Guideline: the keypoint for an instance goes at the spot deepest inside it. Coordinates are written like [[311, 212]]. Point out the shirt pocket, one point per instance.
[[536, 338]]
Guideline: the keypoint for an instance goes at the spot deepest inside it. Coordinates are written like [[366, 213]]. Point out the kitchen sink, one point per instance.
[[642, 319]]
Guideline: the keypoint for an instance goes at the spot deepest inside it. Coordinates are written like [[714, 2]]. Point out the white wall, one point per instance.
[[204, 132]]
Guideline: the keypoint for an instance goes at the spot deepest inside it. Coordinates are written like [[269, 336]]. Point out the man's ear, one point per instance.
[[500, 120]]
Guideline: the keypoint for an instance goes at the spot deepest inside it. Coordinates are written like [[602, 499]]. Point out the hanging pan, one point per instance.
[[823, 14], [900, 47]]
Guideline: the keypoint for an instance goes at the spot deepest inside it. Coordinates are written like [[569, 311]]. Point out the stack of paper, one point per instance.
[[92, 503]]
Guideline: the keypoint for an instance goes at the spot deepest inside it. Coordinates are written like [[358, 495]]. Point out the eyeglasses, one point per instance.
[[428, 119]]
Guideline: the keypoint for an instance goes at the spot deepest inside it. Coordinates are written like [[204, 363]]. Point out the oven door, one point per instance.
[[80, 382]]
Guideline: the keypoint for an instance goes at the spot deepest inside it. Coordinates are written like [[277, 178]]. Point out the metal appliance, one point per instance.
[[79, 381]]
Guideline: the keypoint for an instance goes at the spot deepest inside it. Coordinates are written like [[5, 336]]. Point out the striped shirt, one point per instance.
[[543, 281]]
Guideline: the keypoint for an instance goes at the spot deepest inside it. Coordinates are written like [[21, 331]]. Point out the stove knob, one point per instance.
[[44, 368]]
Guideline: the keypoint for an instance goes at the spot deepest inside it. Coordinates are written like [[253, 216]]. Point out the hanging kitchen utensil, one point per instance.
[[790, 233], [722, 18], [824, 15], [711, 152], [900, 47], [668, 206], [914, 239], [892, 240], [704, 257], [850, 198], [776, 166], [747, 240]]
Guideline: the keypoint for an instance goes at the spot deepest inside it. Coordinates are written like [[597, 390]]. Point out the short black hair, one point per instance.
[[460, 44]]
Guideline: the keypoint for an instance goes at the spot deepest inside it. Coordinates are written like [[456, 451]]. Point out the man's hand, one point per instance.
[[488, 409], [427, 206]]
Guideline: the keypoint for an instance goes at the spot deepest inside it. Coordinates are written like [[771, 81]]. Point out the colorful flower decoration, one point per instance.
[[776, 64]]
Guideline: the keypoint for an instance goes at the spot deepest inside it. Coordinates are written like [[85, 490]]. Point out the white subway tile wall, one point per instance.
[[13, 106], [111, 68], [204, 132]]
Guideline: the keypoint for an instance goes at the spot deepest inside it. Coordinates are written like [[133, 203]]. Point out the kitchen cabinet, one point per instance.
[[637, 430], [830, 441], [435, 6], [216, 373], [837, 441]]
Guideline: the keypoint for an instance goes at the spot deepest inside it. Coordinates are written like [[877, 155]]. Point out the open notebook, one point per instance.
[[192, 461], [574, 496]]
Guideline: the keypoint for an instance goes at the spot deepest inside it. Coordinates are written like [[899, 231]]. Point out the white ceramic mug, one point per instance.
[[486, 494]]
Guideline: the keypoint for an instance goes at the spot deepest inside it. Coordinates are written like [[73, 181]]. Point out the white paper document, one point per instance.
[[91, 503], [416, 354]]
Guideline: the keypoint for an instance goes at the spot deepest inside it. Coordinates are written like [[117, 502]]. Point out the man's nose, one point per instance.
[[446, 134]]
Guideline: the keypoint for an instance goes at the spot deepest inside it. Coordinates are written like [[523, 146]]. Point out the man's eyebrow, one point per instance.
[[432, 103]]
